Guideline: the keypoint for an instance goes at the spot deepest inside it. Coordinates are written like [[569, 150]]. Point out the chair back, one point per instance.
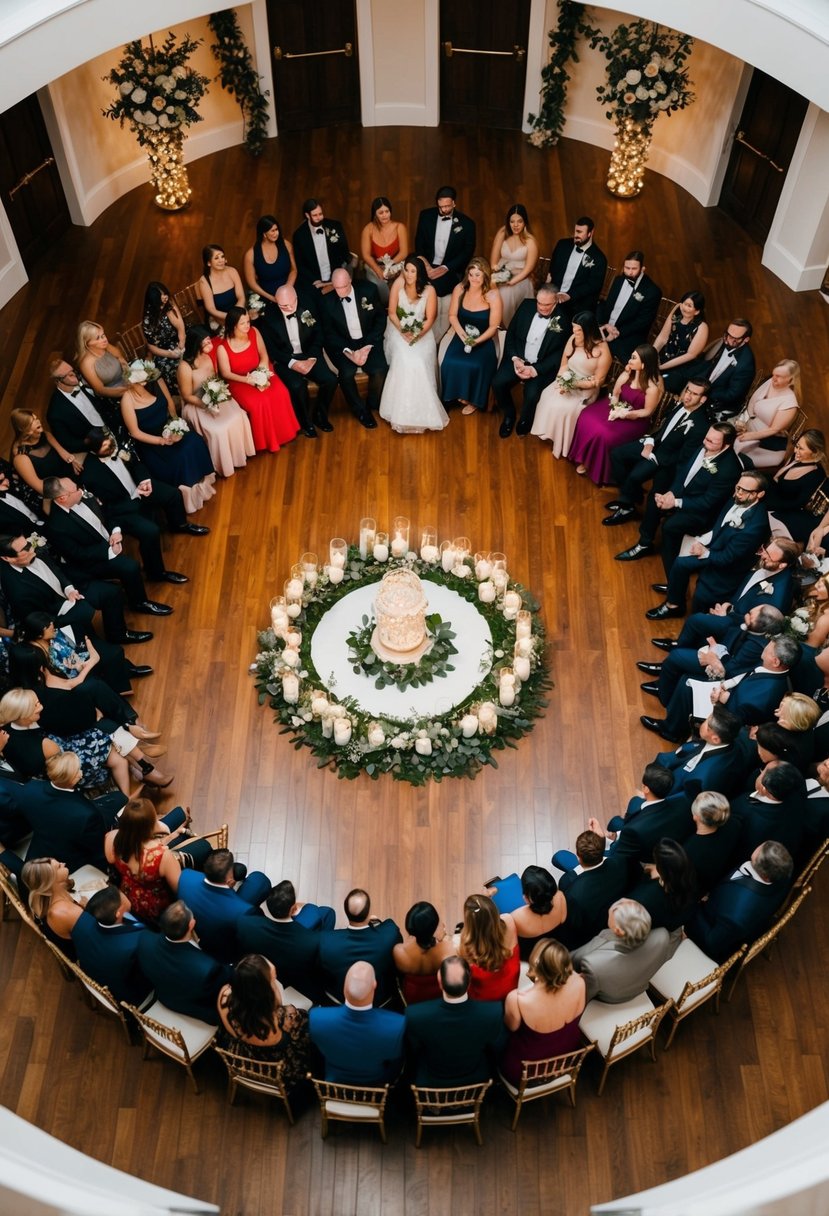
[[261, 1076], [766, 940], [609, 276], [218, 838], [133, 343], [539, 1078], [667, 402], [99, 996], [635, 1033], [541, 273], [175, 1035], [189, 303], [818, 504], [666, 307], [351, 1104], [10, 897], [454, 1105], [812, 866]]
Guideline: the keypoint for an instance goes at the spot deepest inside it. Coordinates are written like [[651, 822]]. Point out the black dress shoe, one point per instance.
[[365, 419], [635, 553], [650, 686], [663, 611], [664, 643], [657, 725], [309, 432], [650, 669], [133, 636], [322, 423], [172, 576], [153, 608], [193, 530], [136, 670], [615, 503], [621, 515], [660, 588], [523, 427], [506, 428]]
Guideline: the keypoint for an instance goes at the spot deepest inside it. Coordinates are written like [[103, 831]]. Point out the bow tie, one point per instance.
[[346, 299], [446, 218], [541, 316], [631, 281], [289, 316], [579, 248], [319, 231], [75, 392]]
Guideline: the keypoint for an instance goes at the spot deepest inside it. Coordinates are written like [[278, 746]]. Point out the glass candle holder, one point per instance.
[[400, 529], [293, 597], [483, 566], [310, 571], [368, 527], [338, 552], [521, 664], [429, 551], [448, 555], [524, 624], [380, 548], [463, 546], [499, 574]]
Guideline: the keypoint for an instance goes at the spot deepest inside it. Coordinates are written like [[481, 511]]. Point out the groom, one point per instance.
[[532, 356], [354, 322], [445, 243]]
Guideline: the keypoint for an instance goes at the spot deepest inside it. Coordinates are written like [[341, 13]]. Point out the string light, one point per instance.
[[626, 175], [168, 173]]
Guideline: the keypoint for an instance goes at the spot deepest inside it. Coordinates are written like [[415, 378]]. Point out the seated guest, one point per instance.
[[453, 1040], [774, 810], [577, 268], [66, 825], [654, 813], [50, 900], [532, 352], [72, 410], [293, 337], [384, 243], [254, 1023], [590, 888], [585, 363], [618, 963], [797, 716], [35, 454], [489, 943], [682, 339], [241, 353], [100, 362], [367, 939], [619, 418], [225, 427], [106, 940], [763, 426], [541, 910], [711, 847], [418, 958], [741, 907], [185, 978], [470, 359], [718, 760], [354, 322], [544, 1020], [793, 485], [361, 1045], [163, 330], [21, 508], [670, 891], [269, 264], [219, 287], [217, 904], [629, 311], [513, 259], [817, 605], [729, 365], [43, 657], [289, 937], [320, 247]]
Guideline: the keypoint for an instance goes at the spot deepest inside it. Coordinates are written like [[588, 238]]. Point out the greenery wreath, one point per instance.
[[343, 736], [432, 665]]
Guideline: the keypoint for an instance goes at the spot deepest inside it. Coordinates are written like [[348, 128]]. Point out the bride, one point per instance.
[[410, 402]]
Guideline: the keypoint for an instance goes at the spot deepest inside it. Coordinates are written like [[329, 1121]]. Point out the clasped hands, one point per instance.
[[358, 356], [524, 371]]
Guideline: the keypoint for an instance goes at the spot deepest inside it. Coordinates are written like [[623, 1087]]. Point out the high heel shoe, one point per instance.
[[139, 731], [151, 775]]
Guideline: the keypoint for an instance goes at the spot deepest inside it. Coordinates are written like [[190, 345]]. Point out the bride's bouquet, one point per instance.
[[214, 392], [472, 333], [409, 323]]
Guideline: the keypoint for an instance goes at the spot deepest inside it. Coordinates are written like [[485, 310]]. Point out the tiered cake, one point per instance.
[[400, 610]]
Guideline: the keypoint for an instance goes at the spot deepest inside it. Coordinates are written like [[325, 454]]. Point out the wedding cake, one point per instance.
[[400, 611]]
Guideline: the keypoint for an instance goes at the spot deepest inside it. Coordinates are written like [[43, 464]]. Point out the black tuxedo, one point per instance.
[[743, 654], [292, 948], [337, 339], [702, 625], [454, 1044], [26, 593], [587, 285], [66, 422], [737, 910], [760, 821], [185, 979], [636, 318], [305, 254], [135, 515], [731, 553], [546, 365], [702, 499], [589, 895], [85, 547], [684, 439], [274, 331], [109, 955], [730, 389], [459, 248]]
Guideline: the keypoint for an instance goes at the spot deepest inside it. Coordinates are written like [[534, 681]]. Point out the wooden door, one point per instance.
[[762, 152], [30, 184], [483, 62], [316, 68]]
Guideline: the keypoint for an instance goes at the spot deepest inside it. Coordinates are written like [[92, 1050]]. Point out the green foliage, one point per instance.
[[646, 73], [548, 123], [238, 75], [156, 89]]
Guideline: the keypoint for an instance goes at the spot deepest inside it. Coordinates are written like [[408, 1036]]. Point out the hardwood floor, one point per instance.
[[727, 1081]]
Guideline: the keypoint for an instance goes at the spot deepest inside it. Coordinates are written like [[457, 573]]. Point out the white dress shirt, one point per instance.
[[321, 250]]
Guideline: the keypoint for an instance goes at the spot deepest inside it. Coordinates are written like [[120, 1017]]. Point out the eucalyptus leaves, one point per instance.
[[433, 664]]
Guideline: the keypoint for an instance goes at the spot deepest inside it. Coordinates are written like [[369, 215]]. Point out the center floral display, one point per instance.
[[344, 728]]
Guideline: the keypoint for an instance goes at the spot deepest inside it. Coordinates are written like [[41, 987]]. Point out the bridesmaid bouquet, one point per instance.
[[175, 428], [260, 377], [472, 333], [617, 410], [502, 275], [567, 381], [142, 371], [255, 305], [214, 392], [391, 269]]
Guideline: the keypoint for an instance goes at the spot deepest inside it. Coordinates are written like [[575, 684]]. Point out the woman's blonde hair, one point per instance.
[[17, 703], [793, 368], [801, 711], [63, 768], [39, 878], [550, 964], [86, 332], [483, 937]]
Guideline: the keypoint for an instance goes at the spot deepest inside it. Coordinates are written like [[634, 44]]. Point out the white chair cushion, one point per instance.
[[351, 1110], [599, 1021], [197, 1035], [88, 880], [524, 981], [292, 996], [536, 1090], [688, 966]]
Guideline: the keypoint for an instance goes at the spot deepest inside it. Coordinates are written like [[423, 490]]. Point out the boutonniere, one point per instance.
[[456, 227], [709, 465], [36, 541], [332, 236], [686, 426], [554, 325], [638, 297], [306, 318], [736, 523], [369, 307], [587, 262], [766, 587]]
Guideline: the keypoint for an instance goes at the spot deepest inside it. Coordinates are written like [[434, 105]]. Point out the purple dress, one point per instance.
[[528, 1044], [595, 434]]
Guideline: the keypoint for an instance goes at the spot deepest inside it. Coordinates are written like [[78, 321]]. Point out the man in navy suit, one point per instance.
[[366, 939], [106, 940], [293, 336], [701, 483], [656, 457], [320, 247], [741, 907], [185, 978], [354, 322], [454, 1041], [532, 356], [217, 905], [361, 1045], [65, 823], [595, 883], [729, 365], [719, 760], [289, 937], [774, 810], [720, 555], [626, 316], [577, 269], [649, 816]]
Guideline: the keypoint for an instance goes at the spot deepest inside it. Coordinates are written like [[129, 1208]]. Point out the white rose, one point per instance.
[[668, 65], [398, 741], [423, 746], [290, 658], [126, 88], [652, 69], [376, 736], [642, 93], [180, 95], [629, 99], [157, 103], [150, 118], [663, 105], [633, 76], [163, 120], [661, 87], [319, 705], [179, 73], [139, 96]]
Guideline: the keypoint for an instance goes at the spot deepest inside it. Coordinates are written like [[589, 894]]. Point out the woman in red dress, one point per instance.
[[240, 355], [489, 943], [384, 242]]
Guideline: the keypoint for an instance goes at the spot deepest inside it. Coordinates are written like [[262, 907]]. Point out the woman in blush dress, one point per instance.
[[621, 418], [384, 243], [242, 361], [584, 365], [410, 402], [543, 1020], [418, 959], [764, 423], [472, 356], [255, 1023], [513, 259], [219, 287], [489, 943], [100, 362], [225, 429], [163, 330], [269, 263], [682, 339]]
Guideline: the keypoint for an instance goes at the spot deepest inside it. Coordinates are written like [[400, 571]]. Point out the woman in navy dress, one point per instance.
[[472, 356], [269, 263], [219, 287]]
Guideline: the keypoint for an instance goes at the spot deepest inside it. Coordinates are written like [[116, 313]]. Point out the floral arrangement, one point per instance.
[[307, 318], [567, 381], [175, 428], [799, 624], [434, 663], [391, 269], [255, 302], [548, 123], [142, 371], [340, 734], [472, 333], [409, 324], [502, 275], [238, 75], [214, 393], [646, 73], [260, 376], [156, 89], [618, 409]]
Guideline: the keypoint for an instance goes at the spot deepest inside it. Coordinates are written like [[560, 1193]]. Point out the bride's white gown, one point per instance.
[[410, 401]]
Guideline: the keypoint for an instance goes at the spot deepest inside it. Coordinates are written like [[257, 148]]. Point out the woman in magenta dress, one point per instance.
[[544, 1019], [239, 354], [489, 943], [622, 418], [384, 242]]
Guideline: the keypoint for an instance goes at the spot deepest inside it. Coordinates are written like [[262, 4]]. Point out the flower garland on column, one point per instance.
[[239, 76], [548, 123]]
